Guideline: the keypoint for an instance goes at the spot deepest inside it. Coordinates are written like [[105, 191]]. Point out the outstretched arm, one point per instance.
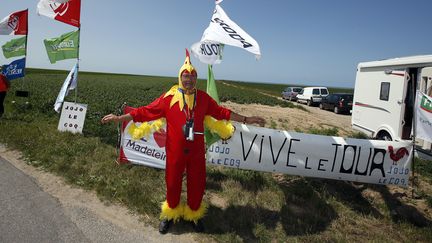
[[115, 118], [247, 120]]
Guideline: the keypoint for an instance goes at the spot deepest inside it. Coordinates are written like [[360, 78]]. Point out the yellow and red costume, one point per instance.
[[182, 155]]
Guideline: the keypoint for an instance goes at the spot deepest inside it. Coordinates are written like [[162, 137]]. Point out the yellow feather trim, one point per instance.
[[171, 213], [191, 215], [171, 91], [178, 97], [145, 129], [222, 128]]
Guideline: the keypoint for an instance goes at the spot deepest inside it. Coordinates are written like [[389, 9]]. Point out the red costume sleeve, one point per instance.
[[216, 111], [153, 111]]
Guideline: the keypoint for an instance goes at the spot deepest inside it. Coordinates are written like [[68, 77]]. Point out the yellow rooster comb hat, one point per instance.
[[187, 67]]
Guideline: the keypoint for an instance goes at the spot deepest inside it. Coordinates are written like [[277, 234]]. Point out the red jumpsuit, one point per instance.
[[181, 154]]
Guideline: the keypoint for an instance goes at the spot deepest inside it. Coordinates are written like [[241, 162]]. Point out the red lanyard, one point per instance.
[[189, 115]]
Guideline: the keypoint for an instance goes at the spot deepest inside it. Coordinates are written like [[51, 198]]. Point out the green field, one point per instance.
[[251, 206]]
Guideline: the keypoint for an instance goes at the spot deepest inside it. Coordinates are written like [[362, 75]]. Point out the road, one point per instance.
[[36, 206]]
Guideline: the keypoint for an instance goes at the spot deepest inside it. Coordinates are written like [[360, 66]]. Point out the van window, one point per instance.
[[385, 91], [324, 91], [297, 89], [287, 89], [315, 92]]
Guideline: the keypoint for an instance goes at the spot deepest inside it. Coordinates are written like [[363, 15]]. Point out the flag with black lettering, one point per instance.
[[208, 52], [223, 30]]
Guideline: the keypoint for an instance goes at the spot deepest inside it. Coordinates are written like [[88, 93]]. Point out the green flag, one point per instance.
[[212, 91], [15, 47], [211, 85], [63, 47]]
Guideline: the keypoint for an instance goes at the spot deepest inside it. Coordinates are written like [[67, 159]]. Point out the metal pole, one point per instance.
[[414, 93], [76, 88], [25, 59]]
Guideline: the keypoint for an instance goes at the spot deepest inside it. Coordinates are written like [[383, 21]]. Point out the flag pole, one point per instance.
[[76, 88], [25, 59], [414, 117]]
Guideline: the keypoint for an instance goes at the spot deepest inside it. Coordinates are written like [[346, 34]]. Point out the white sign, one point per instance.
[[423, 116], [72, 117], [263, 149]]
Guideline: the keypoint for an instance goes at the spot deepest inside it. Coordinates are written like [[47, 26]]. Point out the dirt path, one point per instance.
[[292, 119]]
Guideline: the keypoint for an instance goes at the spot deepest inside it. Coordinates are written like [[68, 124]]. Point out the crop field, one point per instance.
[[105, 93]]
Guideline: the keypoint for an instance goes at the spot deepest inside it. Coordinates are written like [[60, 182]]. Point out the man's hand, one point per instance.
[[109, 118], [255, 119]]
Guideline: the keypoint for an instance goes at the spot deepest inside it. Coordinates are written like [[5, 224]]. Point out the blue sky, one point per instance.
[[302, 42]]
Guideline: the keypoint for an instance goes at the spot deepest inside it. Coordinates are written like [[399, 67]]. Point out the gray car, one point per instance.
[[290, 93]]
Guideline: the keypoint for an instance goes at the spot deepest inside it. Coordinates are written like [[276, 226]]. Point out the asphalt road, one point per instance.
[[29, 214]]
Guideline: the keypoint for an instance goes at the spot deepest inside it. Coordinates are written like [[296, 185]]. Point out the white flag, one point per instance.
[[66, 11], [208, 52], [423, 116], [15, 23], [69, 84], [223, 30]]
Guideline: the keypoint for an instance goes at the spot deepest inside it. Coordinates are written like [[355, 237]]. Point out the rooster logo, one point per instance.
[[13, 22], [400, 153], [60, 9]]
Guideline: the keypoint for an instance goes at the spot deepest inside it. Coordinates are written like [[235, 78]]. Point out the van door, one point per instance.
[[408, 103], [397, 82]]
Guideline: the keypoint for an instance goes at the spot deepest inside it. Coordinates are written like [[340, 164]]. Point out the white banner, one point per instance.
[[72, 117], [263, 149], [423, 109], [70, 83], [15, 23], [223, 30], [208, 52]]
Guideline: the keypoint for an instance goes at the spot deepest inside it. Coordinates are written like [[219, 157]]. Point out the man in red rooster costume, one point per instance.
[[184, 108]]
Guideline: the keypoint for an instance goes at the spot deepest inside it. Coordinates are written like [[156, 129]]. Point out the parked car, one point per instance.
[[312, 95], [290, 93], [339, 103]]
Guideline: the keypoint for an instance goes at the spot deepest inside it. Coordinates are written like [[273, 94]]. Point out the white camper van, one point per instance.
[[384, 96]]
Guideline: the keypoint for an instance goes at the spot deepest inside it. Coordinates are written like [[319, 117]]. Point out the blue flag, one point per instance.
[[15, 69]]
